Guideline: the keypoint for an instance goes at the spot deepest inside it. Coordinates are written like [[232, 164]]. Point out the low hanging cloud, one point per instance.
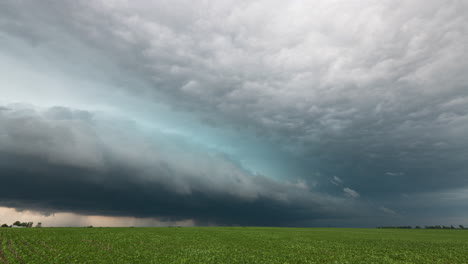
[[61, 159], [394, 173], [336, 181], [388, 211], [350, 192]]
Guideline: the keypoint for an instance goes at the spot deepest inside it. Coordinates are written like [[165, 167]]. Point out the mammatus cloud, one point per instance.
[[365, 94]]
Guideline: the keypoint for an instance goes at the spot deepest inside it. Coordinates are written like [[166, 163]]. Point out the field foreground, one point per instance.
[[231, 245]]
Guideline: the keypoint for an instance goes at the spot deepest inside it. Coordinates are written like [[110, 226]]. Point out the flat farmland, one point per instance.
[[231, 245]]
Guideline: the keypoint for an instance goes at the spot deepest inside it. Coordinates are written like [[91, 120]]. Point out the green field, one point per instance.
[[231, 245]]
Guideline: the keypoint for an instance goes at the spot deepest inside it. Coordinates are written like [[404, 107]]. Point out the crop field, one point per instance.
[[231, 245]]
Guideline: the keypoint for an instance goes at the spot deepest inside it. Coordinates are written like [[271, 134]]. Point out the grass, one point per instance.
[[231, 245]]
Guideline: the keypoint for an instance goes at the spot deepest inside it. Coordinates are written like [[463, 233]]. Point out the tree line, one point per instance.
[[425, 227], [22, 224]]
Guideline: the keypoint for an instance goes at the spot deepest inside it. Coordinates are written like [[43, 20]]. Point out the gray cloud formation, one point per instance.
[[67, 160], [359, 89]]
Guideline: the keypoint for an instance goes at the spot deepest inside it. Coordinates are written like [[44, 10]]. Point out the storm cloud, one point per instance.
[[236, 112], [66, 160]]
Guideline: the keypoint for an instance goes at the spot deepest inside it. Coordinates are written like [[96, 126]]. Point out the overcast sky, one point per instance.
[[272, 113]]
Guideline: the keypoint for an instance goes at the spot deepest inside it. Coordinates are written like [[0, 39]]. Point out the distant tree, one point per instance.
[[418, 227], [395, 227], [4, 225], [436, 227], [39, 224], [461, 227], [24, 224], [452, 227]]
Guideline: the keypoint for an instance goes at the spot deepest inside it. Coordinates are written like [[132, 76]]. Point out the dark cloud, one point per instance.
[[60, 162], [370, 96]]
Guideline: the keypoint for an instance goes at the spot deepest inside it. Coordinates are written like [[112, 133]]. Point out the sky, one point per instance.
[[225, 113]]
